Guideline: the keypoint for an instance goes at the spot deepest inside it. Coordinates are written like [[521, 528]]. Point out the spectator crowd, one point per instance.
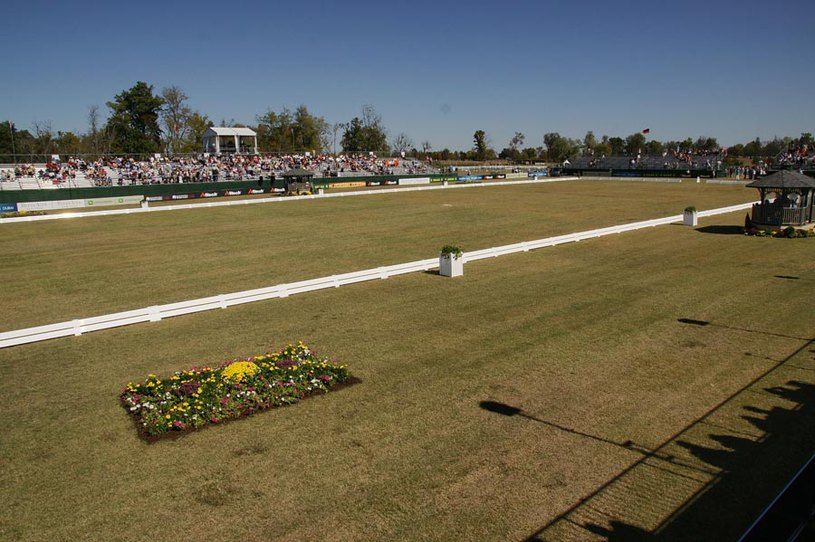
[[111, 171]]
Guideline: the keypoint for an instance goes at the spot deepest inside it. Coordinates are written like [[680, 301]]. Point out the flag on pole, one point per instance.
[[646, 131]]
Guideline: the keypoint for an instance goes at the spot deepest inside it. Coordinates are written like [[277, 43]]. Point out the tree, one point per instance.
[[531, 153], [426, 146], [752, 149], [133, 126], [197, 124], [589, 143], [175, 115], [634, 144], [352, 138], [309, 130], [366, 133], [401, 143], [603, 148], [374, 135], [773, 148], [68, 143], [517, 141], [654, 148], [616, 144], [480, 146], [706, 144], [275, 131], [44, 138], [559, 148], [15, 141], [7, 145], [93, 128]]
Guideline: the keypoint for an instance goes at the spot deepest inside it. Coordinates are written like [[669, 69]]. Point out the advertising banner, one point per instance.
[[537, 174], [121, 200], [8, 207], [351, 184], [414, 181], [469, 178], [213, 194], [50, 205], [448, 178]]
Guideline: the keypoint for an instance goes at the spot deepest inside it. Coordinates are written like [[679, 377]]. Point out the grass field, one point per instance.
[[634, 425], [91, 266]]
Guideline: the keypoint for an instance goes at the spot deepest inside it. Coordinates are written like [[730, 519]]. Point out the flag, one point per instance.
[[646, 131]]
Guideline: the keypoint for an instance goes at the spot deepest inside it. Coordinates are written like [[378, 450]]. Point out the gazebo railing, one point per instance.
[[776, 215]]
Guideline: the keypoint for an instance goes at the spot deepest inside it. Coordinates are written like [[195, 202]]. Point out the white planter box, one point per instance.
[[450, 266], [691, 218]]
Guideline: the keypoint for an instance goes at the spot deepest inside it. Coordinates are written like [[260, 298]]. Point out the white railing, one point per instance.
[[208, 204], [159, 312]]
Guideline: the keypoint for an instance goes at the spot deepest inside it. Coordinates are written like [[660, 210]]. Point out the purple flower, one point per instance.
[[285, 363]]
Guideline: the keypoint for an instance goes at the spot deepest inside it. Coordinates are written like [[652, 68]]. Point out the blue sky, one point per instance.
[[437, 71]]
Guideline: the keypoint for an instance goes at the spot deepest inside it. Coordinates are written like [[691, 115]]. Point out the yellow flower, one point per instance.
[[238, 370]]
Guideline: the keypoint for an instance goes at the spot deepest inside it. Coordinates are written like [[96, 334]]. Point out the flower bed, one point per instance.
[[202, 395], [789, 233]]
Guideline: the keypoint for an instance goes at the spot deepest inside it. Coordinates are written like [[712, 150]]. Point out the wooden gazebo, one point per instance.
[[786, 199], [298, 180]]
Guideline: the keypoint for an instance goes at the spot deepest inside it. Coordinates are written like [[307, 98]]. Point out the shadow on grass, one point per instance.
[[722, 230], [746, 472], [703, 323]]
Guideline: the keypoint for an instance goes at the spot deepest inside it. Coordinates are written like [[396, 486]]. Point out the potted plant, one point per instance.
[[691, 216], [451, 263]]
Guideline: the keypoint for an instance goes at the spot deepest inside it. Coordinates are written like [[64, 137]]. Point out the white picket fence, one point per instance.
[[160, 312], [209, 204]]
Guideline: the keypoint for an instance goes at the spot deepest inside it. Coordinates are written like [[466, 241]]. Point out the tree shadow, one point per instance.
[[722, 230]]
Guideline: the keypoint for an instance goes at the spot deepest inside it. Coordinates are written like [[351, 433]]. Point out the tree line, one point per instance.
[[143, 121]]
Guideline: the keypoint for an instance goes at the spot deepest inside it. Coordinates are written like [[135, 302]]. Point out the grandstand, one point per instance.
[[704, 165], [123, 171]]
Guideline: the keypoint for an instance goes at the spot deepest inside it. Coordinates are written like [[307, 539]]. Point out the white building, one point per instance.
[[223, 140]]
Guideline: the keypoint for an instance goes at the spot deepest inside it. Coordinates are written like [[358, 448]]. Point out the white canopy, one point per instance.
[[225, 139]]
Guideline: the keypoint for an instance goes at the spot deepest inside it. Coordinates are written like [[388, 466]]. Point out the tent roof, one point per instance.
[[227, 131], [784, 179], [298, 172]]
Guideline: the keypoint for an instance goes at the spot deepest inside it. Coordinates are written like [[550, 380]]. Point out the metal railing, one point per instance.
[[764, 213]]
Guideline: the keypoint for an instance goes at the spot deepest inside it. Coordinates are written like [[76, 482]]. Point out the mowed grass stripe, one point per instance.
[[57, 271], [585, 337]]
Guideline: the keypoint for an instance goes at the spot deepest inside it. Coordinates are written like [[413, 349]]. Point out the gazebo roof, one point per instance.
[[784, 179], [298, 172]]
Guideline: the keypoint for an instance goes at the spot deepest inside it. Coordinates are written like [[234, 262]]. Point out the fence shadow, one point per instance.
[[751, 471]]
